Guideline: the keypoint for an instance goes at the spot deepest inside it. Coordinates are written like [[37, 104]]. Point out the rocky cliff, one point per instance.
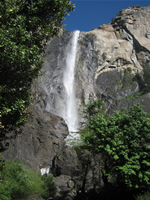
[[106, 60], [112, 63]]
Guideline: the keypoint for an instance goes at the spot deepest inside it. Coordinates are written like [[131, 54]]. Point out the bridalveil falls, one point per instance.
[[70, 113], [58, 85], [79, 65]]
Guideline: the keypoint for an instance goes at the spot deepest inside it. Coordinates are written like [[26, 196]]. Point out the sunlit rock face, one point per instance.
[[107, 59], [135, 22], [107, 53]]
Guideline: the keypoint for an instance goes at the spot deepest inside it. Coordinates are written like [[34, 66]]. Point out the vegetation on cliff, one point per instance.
[[123, 140], [19, 182], [25, 27]]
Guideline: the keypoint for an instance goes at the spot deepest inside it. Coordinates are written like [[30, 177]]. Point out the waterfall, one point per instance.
[[70, 112]]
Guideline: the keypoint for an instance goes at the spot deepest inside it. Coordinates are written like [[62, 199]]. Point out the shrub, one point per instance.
[[49, 187], [146, 75], [145, 196], [123, 139], [18, 182]]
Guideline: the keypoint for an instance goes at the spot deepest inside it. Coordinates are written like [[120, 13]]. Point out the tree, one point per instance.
[[25, 27], [19, 182], [123, 140], [146, 75], [49, 187]]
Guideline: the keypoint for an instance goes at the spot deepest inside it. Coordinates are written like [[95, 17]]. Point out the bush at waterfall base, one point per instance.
[[49, 187], [25, 28], [18, 182], [123, 140]]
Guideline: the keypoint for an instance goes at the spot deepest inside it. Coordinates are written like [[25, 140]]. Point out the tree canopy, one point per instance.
[[25, 27], [123, 140]]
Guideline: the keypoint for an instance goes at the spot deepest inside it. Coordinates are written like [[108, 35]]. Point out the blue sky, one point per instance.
[[91, 14]]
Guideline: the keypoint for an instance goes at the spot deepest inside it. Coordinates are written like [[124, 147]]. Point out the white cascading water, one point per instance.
[[70, 113]]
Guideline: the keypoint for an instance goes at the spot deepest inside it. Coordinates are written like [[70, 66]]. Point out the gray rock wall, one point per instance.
[[103, 58], [38, 142]]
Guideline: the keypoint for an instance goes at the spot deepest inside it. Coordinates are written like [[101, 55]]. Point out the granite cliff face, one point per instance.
[[110, 56], [106, 59], [109, 65]]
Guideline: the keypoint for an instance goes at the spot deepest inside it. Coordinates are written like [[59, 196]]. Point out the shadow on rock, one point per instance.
[[108, 192]]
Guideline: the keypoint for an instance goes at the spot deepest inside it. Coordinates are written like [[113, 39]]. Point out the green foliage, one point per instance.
[[5, 193], [124, 141], [146, 75], [25, 27], [145, 196], [19, 182], [93, 108], [127, 78], [49, 187], [143, 80]]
